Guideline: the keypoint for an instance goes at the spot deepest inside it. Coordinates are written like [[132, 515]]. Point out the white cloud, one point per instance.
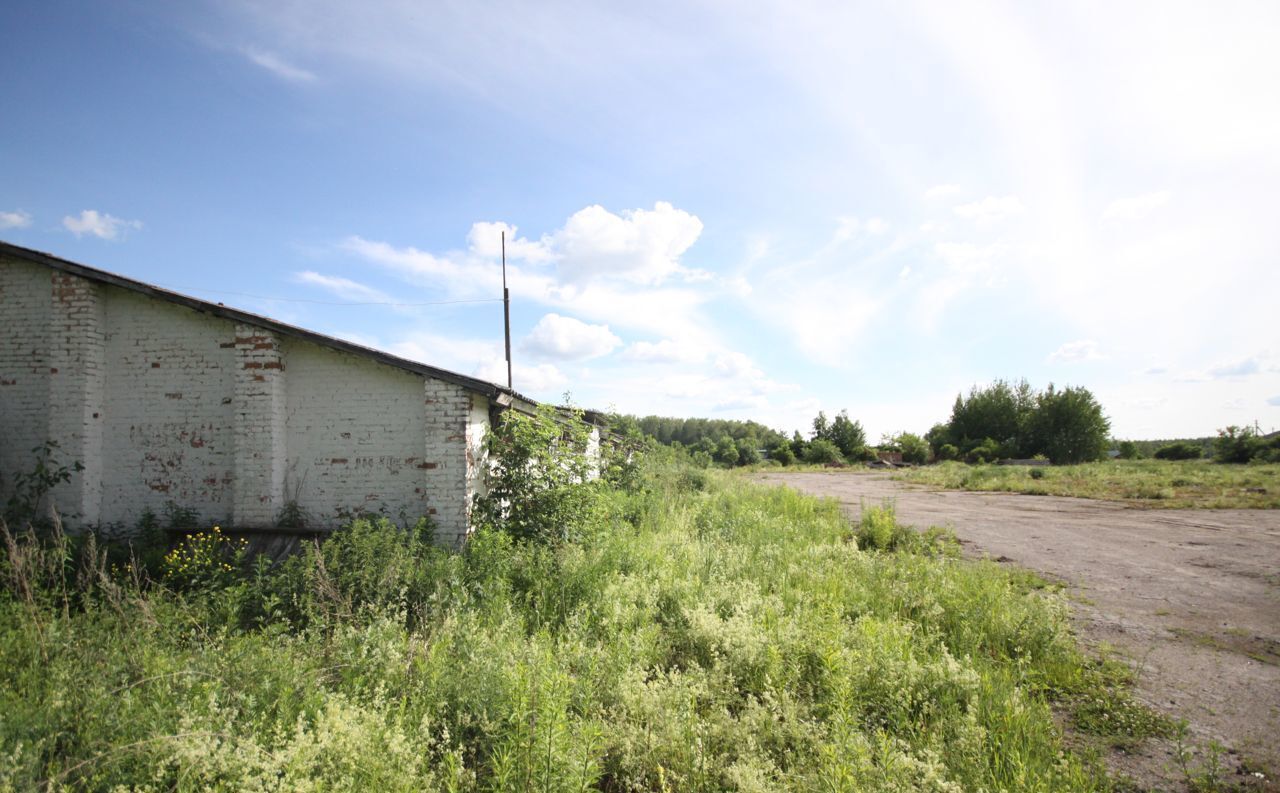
[[640, 246], [569, 339], [1076, 352], [664, 351], [100, 225], [485, 239], [991, 209], [633, 250], [877, 226], [942, 191], [736, 365], [542, 379], [344, 288], [1136, 207], [278, 66], [14, 220]]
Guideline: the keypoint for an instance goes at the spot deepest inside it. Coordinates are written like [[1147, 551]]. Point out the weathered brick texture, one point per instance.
[[163, 403]]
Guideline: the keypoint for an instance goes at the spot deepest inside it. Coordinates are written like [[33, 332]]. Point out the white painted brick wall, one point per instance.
[[24, 367], [168, 407], [164, 403], [355, 435]]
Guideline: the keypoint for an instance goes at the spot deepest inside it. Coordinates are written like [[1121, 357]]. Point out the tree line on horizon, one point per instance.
[[999, 421]]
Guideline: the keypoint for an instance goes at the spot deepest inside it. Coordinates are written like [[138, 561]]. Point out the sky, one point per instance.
[[731, 210]]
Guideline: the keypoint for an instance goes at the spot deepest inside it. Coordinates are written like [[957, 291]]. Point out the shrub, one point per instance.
[[914, 448], [1178, 450], [748, 454], [948, 451], [726, 452], [1037, 473], [1128, 450], [1237, 445], [539, 477], [822, 452], [984, 452], [783, 454]]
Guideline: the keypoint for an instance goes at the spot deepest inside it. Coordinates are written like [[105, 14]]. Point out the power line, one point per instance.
[[330, 302]]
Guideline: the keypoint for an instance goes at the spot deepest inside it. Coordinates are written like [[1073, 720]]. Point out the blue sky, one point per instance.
[[718, 209]]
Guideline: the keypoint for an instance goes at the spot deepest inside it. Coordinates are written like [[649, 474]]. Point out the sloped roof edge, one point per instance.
[[484, 387]]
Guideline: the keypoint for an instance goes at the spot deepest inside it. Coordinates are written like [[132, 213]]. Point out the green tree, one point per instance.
[[848, 436], [798, 445], [939, 435], [748, 451], [1178, 450], [999, 411], [726, 452], [1128, 450], [782, 453], [1068, 426], [914, 448], [822, 452], [1236, 444]]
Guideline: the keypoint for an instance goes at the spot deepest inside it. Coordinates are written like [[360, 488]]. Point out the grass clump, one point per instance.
[[1150, 483], [707, 635]]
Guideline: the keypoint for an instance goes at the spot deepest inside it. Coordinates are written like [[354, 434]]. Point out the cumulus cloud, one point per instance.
[[1136, 207], [607, 267], [1076, 352], [278, 66], [99, 224], [664, 351], [991, 209], [641, 246], [14, 220], [736, 365], [569, 339]]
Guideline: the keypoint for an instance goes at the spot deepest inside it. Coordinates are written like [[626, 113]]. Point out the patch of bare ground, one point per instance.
[[1190, 598]]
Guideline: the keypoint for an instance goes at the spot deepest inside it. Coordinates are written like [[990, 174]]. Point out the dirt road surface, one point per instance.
[[1190, 597]]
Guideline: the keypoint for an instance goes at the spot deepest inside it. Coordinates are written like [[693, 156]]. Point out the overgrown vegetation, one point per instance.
[[689, 631], [1244, 445], [1152, 483]]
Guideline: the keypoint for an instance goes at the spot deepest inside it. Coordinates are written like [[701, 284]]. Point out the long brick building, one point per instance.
[[166, 398]]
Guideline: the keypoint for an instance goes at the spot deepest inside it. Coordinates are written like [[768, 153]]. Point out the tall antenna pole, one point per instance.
[[506, 307]]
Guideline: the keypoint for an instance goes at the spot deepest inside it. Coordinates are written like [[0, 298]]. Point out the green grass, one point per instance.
[[1149, 483], [710, 635]]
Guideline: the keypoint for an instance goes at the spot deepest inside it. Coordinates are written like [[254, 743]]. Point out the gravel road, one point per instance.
[[1190, 597]]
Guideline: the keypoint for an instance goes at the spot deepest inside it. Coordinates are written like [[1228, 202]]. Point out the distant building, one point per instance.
[[167, 398]]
